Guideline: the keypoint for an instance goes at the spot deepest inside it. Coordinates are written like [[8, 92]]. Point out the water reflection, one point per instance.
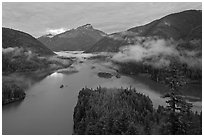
[[56, 75], [48, 109], [12, 106]]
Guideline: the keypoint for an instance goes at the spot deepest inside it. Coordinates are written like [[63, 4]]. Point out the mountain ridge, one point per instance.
[[173, 21], [16, 38], [80, 38], [186, 25]]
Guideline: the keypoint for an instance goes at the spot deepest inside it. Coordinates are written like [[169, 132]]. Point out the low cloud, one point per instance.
[[7, 50], [160, 53], [18, 51], [55, 31]]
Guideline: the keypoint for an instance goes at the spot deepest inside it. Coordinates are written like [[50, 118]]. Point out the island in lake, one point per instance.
[[132, 71]]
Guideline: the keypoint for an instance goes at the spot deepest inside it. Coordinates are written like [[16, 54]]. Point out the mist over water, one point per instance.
[[48, 109], [159, 52]]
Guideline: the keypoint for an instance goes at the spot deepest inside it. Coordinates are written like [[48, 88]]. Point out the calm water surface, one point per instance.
[[48, 109]]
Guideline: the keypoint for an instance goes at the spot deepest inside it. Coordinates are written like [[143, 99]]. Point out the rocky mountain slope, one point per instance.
[[80, 38]]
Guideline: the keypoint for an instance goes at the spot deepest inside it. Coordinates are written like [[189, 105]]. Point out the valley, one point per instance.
[[145, 79]]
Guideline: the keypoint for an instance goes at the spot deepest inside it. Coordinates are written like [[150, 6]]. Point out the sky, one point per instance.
[[40, 18]]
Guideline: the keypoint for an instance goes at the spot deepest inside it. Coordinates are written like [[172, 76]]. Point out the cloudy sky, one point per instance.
[[40, 18]]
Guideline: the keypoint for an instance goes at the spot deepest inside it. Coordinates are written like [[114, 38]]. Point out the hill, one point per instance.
[[126, 112], [14, 38]]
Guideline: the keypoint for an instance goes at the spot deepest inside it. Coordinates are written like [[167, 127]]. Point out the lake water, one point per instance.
[[48, 109]]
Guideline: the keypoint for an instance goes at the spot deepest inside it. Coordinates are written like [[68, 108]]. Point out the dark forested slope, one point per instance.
[[182, 25], [186, 25], [15, 38], [127, 112]]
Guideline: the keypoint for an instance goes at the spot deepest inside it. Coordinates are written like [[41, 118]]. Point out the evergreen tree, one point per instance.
[[177, 107]]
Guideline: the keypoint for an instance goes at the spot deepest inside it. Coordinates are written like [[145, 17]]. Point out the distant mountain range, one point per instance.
[[15, 38], [81, 38], [186, 25]]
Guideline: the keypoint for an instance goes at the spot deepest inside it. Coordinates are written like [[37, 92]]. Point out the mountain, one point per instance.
[[186, 25], [110, 43], [46, 39], [15, 38], [80, 38], [183, 25]]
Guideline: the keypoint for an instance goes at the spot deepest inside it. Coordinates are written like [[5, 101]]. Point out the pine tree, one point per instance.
[[177, 106]]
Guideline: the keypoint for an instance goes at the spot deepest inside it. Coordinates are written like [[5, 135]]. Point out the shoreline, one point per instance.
[[13, 100], [24, 80]]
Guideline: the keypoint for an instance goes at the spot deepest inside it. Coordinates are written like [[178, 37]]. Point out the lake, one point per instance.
[[48, 109]]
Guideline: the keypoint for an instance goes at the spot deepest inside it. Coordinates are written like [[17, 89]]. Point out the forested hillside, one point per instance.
[[126, 112]]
